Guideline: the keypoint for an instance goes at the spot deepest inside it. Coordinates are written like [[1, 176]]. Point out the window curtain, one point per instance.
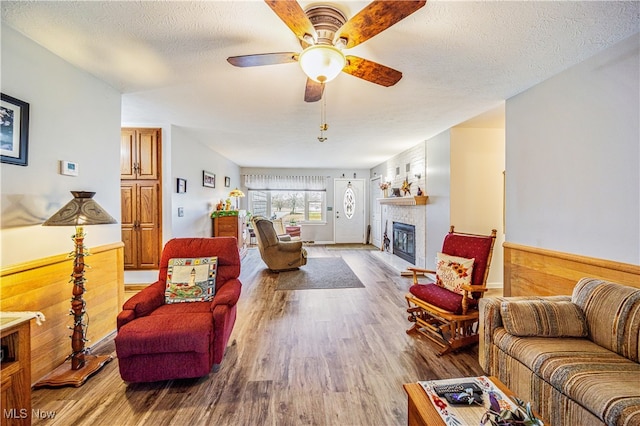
[[285, 183]]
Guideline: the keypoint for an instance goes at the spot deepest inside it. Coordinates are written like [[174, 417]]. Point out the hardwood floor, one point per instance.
[[309, 357]]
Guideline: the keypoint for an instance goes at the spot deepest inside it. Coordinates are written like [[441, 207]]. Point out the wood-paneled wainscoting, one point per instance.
[[43, 285], [535, 271]]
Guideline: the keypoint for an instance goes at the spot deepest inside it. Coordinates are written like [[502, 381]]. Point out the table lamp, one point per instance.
[[236, 193], [81, 211]]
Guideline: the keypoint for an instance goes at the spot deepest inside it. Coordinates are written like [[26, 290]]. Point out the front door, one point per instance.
[[349, 211]]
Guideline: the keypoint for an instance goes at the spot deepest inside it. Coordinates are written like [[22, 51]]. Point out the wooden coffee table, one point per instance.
[[423, 413]]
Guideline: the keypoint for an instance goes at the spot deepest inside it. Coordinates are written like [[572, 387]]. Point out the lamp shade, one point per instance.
[[82, 210], [322, 63], [236, 193]]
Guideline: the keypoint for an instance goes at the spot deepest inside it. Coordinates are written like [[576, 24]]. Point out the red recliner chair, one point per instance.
[[159, 341]]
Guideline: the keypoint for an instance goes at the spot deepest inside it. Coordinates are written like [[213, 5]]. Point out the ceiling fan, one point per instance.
[[324, 32]]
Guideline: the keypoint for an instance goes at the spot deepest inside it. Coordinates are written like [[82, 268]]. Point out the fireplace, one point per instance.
[[404, 241]]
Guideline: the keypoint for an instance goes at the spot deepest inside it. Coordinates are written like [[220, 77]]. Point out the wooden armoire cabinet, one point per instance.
[[139, 153], [140, 194]]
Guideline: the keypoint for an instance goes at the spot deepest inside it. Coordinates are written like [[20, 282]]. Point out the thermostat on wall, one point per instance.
[[68, 168]]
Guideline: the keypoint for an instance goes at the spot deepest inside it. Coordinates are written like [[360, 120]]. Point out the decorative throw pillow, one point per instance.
[[453, 272], [543, 318], [191, 279]]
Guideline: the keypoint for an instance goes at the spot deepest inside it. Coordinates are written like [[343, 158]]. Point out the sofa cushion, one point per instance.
[[600, 380], [191, 279], [613, 315], [157, 334], [440, 297], [543, 318], [452, 272], [179, 309]]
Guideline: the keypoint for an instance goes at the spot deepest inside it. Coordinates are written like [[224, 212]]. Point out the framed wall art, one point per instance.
[[14, 130], [181, 186], [208, 179], [227, 181]]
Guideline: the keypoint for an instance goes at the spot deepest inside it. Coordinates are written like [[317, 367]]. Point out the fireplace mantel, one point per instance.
[[404, 201]]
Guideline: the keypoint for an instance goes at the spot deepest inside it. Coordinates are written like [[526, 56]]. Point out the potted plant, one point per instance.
[[384, 186]]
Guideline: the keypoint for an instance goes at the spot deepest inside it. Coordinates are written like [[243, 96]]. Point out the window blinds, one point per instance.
[[285, 183]]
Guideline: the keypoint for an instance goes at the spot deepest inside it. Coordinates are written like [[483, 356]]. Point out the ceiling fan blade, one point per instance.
[[294, 17], [263, 59], [371, 71], [313, 91], [376, 17]]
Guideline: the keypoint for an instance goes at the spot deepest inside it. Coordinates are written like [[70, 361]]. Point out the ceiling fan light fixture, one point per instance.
[[322, 63]]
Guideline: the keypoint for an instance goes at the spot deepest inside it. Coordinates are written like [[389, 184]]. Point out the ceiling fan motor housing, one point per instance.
[[326, 20]]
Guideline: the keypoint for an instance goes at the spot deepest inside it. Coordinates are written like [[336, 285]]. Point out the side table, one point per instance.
[[16, 366], [421, 411]]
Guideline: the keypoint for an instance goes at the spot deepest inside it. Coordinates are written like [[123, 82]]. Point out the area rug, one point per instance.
[[319, 273]]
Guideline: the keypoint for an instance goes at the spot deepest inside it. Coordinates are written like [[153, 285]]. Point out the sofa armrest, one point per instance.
[[228, 294], [124, 317], [142, 303], [491, 319]]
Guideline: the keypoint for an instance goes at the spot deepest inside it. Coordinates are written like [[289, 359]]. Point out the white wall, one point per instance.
[[573, 159], [74, 117], [477, 187], [189, 158], [439, 191]]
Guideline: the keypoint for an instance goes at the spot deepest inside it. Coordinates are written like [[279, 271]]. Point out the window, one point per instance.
[[290, 206], [290, 198]]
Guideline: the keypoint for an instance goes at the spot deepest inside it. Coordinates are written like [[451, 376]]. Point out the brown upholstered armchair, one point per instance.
[[278, 255]]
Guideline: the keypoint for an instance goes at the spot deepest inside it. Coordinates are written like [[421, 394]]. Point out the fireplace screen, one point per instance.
[[404, 241]]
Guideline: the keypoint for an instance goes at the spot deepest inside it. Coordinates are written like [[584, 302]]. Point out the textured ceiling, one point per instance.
[[459, 59]]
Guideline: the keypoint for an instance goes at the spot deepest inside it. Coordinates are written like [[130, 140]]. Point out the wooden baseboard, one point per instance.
[[136, 286]]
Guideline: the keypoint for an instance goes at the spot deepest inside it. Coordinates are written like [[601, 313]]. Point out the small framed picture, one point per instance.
[[14, 130], [181, 186], [68, 168], [208, 179], [227, 181]]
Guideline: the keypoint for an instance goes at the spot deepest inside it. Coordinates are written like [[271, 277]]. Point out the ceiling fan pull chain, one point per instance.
[[323, 117]]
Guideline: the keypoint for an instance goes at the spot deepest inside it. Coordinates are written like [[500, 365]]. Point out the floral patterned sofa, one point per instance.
[[575, 358]]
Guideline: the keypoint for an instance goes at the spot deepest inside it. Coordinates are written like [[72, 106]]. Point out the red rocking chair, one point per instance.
[[446, 311]]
